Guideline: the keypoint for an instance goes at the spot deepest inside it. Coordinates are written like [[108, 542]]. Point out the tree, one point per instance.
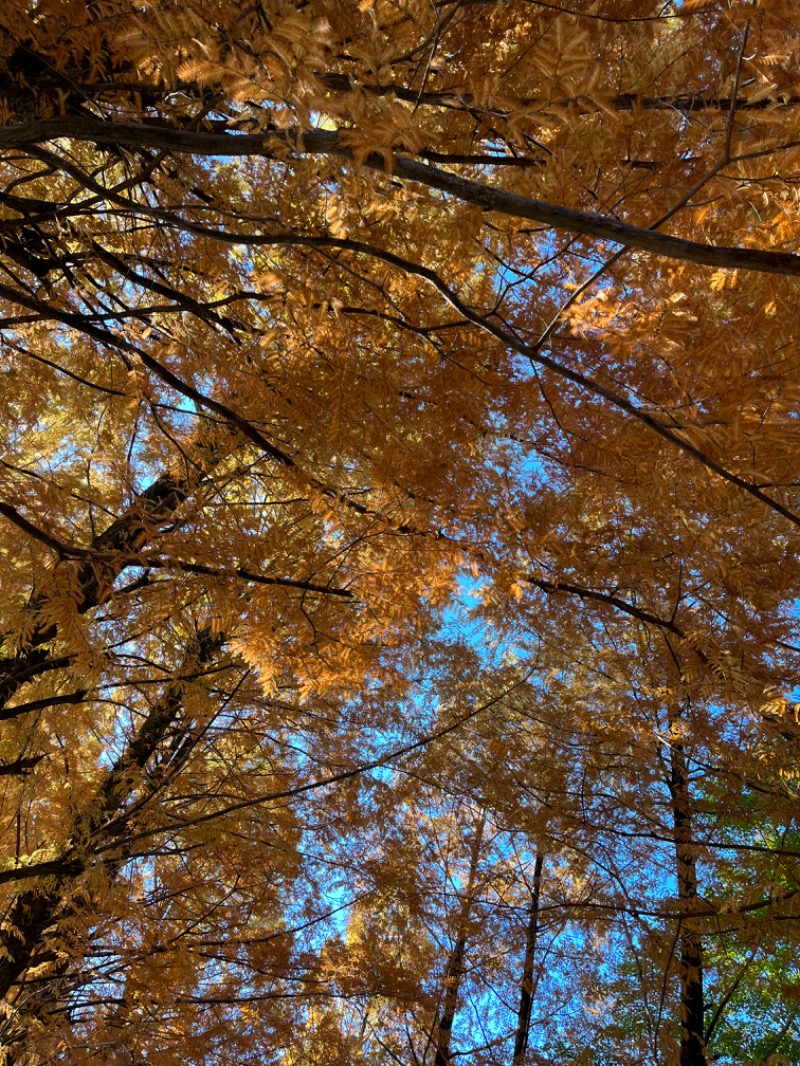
[[399, 435]]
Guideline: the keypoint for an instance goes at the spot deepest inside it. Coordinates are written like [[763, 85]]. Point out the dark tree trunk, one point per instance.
[[526, 988], [690, 945], [455, 966]]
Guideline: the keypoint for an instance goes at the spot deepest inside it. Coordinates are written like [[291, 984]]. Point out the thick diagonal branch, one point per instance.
[[273, 144], [111, 552]]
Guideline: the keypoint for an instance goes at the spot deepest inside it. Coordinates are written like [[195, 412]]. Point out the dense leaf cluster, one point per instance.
[[399, 453]]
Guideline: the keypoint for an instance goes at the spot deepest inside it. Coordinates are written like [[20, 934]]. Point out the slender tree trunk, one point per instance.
[[455, 967], [690, 945], [526, 989]]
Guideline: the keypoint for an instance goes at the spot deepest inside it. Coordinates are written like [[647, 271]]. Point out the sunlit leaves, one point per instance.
[[370, 544]]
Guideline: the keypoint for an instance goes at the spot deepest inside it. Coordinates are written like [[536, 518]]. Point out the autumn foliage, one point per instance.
[[400, 510]]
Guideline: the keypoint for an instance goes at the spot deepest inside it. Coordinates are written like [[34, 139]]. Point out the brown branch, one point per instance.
[[111, 552], [35, 533], [682, 103], [662, 16], [20, 767], [301, 585], [40, 705], [530, 352], [345, 775], [608, 598], [272, 144]]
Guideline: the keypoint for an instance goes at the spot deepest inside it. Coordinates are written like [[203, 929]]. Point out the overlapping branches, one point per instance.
[[301, 271]]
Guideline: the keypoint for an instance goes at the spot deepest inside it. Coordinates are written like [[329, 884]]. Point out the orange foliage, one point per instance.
[[399, 485]]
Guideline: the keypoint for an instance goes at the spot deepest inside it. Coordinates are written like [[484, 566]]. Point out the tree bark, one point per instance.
[[526, 988], [690, 945], [223, 144], [455, 967], [110, 553]]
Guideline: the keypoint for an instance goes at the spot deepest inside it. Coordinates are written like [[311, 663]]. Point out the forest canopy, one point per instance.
[[400, 511]]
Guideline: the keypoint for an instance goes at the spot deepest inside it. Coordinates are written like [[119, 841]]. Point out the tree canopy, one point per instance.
[[400, 498]]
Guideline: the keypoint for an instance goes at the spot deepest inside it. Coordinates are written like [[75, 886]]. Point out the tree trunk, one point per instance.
[[455, 967], [526, 989], [690, 946]]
